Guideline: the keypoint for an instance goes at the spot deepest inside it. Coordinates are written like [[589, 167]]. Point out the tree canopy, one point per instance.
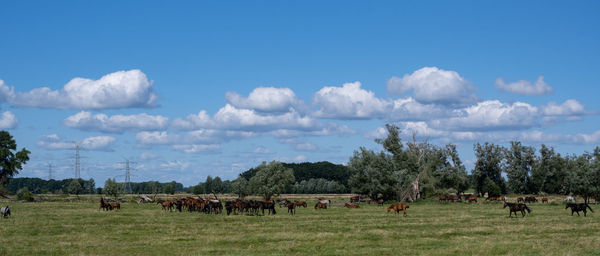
[[271, 179], [11, 161]]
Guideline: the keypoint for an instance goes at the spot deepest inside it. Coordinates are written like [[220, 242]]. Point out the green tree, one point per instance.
[[241, 187], [217, 185], [271, 179], [489, 164], [90, 187], [11, 162], [208, 184], [74, 187], [169, 189], [112, 188], [519, 164], [198, 189], [549, 172]]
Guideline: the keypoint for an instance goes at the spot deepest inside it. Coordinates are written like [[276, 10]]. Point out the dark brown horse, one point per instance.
[[115, 205], [578, 207], [520, 199], [397, 208], [355, 199], [351, 206], [104, 205], [291, 208], [320, 205], [516, 208], [544, 200]]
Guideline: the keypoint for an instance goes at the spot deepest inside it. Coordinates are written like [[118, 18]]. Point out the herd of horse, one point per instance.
[[257, 207]]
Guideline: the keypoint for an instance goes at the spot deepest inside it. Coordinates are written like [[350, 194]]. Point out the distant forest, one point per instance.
[[320, 177]]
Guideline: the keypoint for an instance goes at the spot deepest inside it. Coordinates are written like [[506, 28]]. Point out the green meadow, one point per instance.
[[78, 227]]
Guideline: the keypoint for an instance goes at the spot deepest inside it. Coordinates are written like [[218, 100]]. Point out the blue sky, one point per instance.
[[193, 89]]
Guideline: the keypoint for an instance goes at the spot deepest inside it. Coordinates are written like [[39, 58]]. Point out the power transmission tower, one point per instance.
[[77, 163], [128, 168], [50, 171]]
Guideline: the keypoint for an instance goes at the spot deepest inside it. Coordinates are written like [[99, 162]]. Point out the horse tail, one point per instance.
[[588, 206]]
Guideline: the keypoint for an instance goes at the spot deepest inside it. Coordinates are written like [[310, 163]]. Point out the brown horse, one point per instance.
[[320, 205], [397, 208], [291, 208], [472, 199], [575, 208], [443, 198], [115, 205], [544, 200], [380, 202], [354, 199], [520, 199], [351, 206], [104, 205], [516, 208], [300, 203]]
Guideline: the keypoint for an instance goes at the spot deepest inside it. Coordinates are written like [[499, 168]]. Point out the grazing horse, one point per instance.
[[291, 208], [380, 202], [578, 207], [472, 199], [104, 205], [520, 199], [300, 203], [544, 200], [397, 208], [166, 205], [530, 199], [325, 201], [5, 211], [351, 206], [320, 205], [354, 199], [515, 208], [115, 205], [443, 198], [283, 202]]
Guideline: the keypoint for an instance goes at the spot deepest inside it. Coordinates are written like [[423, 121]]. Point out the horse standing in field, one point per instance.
[[578, 207], [380, 202], [5, 212], [569, 199], [291, 208], [516, 208], [530, 199], [300, 203], [397, 208], [472, 199], [355, 199], [104, 205], [544, 200], [115, 205], [520, 199]]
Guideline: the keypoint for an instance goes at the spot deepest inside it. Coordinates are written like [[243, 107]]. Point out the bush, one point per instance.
[[24, 194]]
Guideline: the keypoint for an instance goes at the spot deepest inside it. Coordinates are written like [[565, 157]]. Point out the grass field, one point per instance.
[[431, 228]]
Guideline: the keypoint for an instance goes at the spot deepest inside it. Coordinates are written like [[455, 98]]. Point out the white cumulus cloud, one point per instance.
[[523, 87], [491, 115], [568, 108], [122, 89], [115, 124], [434, 85], [98, 143], [155, 138], [349, 102], [266, 99], [8, 120]]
